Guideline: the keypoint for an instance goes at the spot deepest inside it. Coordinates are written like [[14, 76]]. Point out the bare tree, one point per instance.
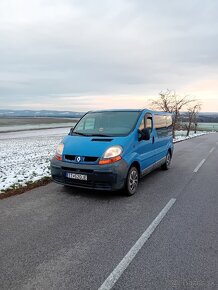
[[192, 114], [169, 101]]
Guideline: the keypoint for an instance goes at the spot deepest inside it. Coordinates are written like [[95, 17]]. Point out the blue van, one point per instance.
[[113, 149]]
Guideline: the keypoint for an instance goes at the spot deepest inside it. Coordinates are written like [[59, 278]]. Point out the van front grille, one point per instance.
[[72, 158], [90, 159]]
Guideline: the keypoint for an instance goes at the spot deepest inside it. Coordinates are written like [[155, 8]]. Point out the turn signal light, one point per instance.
[[110, 160], [58, 157]]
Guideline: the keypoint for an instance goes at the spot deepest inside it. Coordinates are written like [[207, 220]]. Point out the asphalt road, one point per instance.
[[56, 238]]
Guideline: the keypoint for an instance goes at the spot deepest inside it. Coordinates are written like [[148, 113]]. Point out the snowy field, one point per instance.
[[181, 135], [33, 127], [34, 123], [25, 156]]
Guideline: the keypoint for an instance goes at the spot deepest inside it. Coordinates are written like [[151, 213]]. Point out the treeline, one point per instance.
[[203, 118], [185, 111]]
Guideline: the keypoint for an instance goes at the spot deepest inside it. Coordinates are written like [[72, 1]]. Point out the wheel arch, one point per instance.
[[137, 165]]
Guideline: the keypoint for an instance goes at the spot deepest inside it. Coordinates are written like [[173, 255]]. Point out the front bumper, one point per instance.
[[102, 177]]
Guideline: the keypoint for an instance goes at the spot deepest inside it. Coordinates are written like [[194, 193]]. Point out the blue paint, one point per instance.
[[135, 148]]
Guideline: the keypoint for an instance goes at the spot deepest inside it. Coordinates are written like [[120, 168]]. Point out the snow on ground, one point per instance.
[[25, 156], [181, 135]]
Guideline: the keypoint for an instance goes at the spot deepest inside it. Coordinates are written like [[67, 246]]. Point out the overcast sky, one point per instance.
[[81, 55]]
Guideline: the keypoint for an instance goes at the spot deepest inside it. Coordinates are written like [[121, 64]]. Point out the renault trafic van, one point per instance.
[[113, 149]]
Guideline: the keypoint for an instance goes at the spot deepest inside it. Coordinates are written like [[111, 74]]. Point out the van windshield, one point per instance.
[[114, 123]]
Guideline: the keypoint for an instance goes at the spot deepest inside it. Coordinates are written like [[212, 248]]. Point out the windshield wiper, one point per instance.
[[78, 133], [92, 135]]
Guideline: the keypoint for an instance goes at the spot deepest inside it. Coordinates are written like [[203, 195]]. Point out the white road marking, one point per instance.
[[211, 150], [124, 263], [199, 165]]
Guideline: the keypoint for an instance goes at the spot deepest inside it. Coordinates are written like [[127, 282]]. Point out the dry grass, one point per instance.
[[11, 192]]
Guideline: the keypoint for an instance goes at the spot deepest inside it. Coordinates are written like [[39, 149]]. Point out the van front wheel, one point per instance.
[[167, 163], [132, 181]]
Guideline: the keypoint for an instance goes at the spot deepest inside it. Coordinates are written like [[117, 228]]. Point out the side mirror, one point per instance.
[[145, 134], [71, 131]]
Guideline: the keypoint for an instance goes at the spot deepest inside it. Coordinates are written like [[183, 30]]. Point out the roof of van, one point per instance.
[[131, 110], [118, 110]]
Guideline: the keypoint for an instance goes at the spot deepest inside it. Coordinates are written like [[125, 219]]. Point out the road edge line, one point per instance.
[[124, 263], [199, 165], [211, 150]]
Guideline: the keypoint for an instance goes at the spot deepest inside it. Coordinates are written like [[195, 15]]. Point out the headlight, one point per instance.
[[112, 152], [59, 151], [111, 155]]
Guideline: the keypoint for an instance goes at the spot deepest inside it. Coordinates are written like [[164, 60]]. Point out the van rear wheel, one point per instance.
[[167, 163], [132, 181]]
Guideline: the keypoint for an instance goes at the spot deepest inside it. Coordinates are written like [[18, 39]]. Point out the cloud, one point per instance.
[[92, 50]]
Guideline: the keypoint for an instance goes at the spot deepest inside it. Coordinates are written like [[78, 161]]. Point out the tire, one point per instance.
[[132, 181], [167, 163]]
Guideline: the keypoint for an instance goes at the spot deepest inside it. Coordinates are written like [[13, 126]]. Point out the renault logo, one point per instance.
[[78, 159]]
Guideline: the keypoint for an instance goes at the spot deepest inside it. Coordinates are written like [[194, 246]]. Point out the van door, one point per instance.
[[146, 148], [161, 136]]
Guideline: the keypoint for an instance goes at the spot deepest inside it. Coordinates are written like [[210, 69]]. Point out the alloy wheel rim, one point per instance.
[[168, 159], [133, 180]]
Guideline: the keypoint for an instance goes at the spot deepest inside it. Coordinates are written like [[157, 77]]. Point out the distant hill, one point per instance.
[[203, 117], [41, 113]]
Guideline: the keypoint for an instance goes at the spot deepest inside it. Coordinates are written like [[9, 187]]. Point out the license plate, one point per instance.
[[76, 176]]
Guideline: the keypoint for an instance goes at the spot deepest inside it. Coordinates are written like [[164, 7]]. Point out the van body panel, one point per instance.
[[146, 153], [100, 177], [145, 149], [88, 146], [161, 147], [89, 150]]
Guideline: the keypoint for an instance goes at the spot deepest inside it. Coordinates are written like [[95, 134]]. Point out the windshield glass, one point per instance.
[[107, 123]]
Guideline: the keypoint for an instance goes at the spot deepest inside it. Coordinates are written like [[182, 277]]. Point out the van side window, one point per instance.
[[142, 125], [169, 122], [160, 122], [149, 124], [169, 125]]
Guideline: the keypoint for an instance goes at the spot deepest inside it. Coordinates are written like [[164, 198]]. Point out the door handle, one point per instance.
[[153, 140]]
